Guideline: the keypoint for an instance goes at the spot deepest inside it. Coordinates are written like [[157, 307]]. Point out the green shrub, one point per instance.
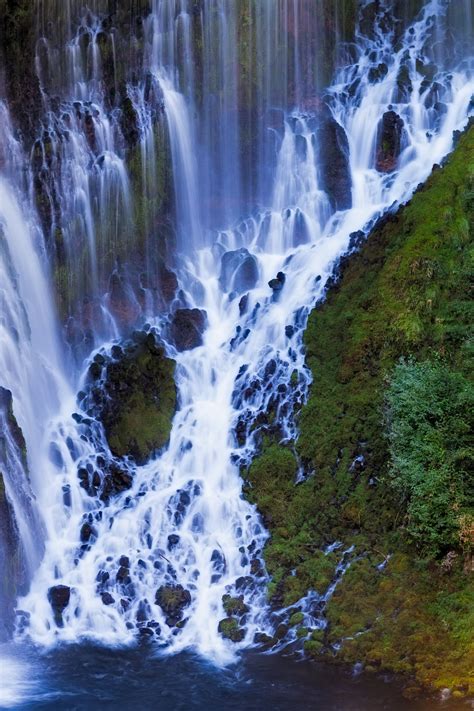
[[430, 422]]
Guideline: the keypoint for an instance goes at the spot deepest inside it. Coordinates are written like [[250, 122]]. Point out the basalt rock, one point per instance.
[[173, 600], [122, 302], [133, 395], [335, 174], [187, 327], [13, 578], [59, 597], [389, 142], [229, 629], [239, 271]]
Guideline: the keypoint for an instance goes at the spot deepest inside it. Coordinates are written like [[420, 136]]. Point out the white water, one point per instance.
[[194, 489]]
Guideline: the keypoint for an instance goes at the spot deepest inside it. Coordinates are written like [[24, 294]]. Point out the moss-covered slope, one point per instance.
[[404, 295]]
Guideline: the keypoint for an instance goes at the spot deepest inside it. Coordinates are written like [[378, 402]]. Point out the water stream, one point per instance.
[[184, 521]]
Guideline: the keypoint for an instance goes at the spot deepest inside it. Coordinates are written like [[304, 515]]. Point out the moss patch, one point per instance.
[[135, 398]]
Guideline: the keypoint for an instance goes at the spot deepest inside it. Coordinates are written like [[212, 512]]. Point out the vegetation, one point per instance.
[[384, 441]]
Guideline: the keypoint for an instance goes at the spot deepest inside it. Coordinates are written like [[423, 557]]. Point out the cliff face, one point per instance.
[[385, 445], [13, 575]]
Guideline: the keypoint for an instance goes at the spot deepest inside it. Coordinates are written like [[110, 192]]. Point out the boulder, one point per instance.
[[277, 284], [334, 171], [59, 597], [134, 397], [173, 599], [389, 142], [229, 629], [239, 271], [187, 327]]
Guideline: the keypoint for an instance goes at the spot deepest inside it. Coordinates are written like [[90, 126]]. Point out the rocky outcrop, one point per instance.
[[389, 142], [173, 600], [239, 271], [335, 174], [133, 394], [17, 32], [59, 597], [186, 328], [13, 575]]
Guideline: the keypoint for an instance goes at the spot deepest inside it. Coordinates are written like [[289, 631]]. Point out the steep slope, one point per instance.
[[372, 425]]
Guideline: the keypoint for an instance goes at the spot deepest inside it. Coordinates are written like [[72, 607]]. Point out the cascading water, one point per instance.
[[183, 526]]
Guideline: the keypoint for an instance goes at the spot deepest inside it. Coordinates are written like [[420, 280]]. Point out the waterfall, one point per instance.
[[252, 184]]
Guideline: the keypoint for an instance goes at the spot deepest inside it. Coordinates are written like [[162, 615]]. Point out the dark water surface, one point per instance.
[[87, 678]]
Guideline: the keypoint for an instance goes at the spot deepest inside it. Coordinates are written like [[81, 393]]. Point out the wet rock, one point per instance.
[[123, 575], [239, 271], [59, 597], [377, 73], [301, 233], [168, 282], [243, 304], [129, 122], [229, 629], [245, 581], [87, 532], [187, 327], [278, 283], [122, 303], [263, 640], [235, 606], [173, 600], [335, 174], [138, 407], [389, 142], [404, 85], [173, 540], [107, 598]]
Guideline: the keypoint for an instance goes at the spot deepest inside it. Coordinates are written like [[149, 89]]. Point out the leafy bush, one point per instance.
[[430, 418]]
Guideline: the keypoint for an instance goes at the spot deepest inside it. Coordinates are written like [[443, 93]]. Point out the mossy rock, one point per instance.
[[229, 628], [235, 605], [139, 397]]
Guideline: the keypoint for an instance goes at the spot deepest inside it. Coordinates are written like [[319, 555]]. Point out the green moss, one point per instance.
[[141, 400], [403, 295], [229, 629], [296, 619]]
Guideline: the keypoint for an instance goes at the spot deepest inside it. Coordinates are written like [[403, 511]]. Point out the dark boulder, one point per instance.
[[404, 85], [377, 73], [173, 600], [389, 142], [235, 605], [59, 597], [229, 629], [277, 284], [187, 327], [135, 403], [335, 172], [301, 234], [239, 271]]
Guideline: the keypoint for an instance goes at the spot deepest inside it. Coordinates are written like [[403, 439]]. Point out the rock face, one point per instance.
[[389, 142], [173, 600], [13, 577], [335, 174], [186, 328], [239, 271], [133, 395]]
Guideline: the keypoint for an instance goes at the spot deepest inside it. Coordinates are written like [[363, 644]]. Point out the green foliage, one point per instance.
[[404, 295], [430, 421]]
